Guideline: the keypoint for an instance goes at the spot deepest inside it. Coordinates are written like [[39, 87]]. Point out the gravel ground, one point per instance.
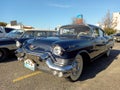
[[102, 74]]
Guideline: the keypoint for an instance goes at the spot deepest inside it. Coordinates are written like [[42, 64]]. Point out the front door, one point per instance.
[[99, 42]]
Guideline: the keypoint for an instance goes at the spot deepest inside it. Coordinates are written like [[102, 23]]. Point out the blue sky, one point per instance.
[[51, 13]]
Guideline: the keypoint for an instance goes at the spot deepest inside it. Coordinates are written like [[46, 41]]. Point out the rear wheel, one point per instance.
[[77, 71], [3, 54]]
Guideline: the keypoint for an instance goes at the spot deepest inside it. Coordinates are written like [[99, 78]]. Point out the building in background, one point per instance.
[[116, 16], [14, 24], [78, 19]]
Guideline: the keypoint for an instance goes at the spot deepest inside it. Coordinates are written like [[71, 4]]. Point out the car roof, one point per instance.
[[93, 26], [79, 26], [40, 31], [73, 26]]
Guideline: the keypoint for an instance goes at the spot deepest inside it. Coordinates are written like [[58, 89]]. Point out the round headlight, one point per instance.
[[57, 50], [18, 44]]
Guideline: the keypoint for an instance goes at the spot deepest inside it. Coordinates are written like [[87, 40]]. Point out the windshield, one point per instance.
[[78, 31], [15, 34]]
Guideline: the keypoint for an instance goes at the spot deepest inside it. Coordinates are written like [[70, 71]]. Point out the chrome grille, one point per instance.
[[40, 64], [33, 57]]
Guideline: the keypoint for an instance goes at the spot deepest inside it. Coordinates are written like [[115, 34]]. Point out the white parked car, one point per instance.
[[4, 31]]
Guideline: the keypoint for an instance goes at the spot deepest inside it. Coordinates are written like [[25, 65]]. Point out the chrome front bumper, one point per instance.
[[60, 71], [66, 68]]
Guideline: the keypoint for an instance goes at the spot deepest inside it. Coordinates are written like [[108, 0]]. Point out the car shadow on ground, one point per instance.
[[99, 65]]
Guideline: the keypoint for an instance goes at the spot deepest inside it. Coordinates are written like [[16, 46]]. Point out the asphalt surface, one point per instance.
[[102, 74]]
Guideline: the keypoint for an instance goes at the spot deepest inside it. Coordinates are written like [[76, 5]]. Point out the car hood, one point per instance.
[[46, 44]]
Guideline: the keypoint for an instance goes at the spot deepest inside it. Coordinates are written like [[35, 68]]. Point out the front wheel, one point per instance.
[[77, 70]]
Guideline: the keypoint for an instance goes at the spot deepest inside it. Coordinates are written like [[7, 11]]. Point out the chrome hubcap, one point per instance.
[[78, 69], [108, 52]]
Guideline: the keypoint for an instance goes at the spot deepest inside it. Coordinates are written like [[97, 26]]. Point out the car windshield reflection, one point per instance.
[[83, 31], [15, 34]]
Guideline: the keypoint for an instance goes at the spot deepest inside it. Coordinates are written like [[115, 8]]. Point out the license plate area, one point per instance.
[[30, 64]]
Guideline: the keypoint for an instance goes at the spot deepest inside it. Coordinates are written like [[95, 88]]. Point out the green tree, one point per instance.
[[110, 31], [3, 24]]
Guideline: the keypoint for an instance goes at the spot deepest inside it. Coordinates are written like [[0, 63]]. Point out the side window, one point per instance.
[[40, 33], [101, 33], [96, 32], [28, 34]]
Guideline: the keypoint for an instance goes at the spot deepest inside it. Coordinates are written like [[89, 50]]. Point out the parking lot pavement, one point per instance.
[[102, 74]]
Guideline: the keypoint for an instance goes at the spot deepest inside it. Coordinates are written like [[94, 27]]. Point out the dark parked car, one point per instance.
[[8, 44], [117, 37], [66, 54]]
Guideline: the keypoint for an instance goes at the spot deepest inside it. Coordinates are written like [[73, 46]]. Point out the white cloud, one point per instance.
[[60, 5]]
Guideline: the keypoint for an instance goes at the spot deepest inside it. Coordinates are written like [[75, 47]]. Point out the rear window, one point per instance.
[[7, 30]]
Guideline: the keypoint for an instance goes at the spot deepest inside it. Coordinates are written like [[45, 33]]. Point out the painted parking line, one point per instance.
[[26, 76]]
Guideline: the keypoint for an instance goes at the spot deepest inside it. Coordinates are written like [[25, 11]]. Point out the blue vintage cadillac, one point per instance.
[[66, 54]]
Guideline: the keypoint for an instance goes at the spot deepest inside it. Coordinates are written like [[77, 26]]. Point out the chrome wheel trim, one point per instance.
[[78, 69], [108, 52]]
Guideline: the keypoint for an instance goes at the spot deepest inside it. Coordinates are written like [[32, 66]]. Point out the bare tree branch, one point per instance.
[[108, 21]]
